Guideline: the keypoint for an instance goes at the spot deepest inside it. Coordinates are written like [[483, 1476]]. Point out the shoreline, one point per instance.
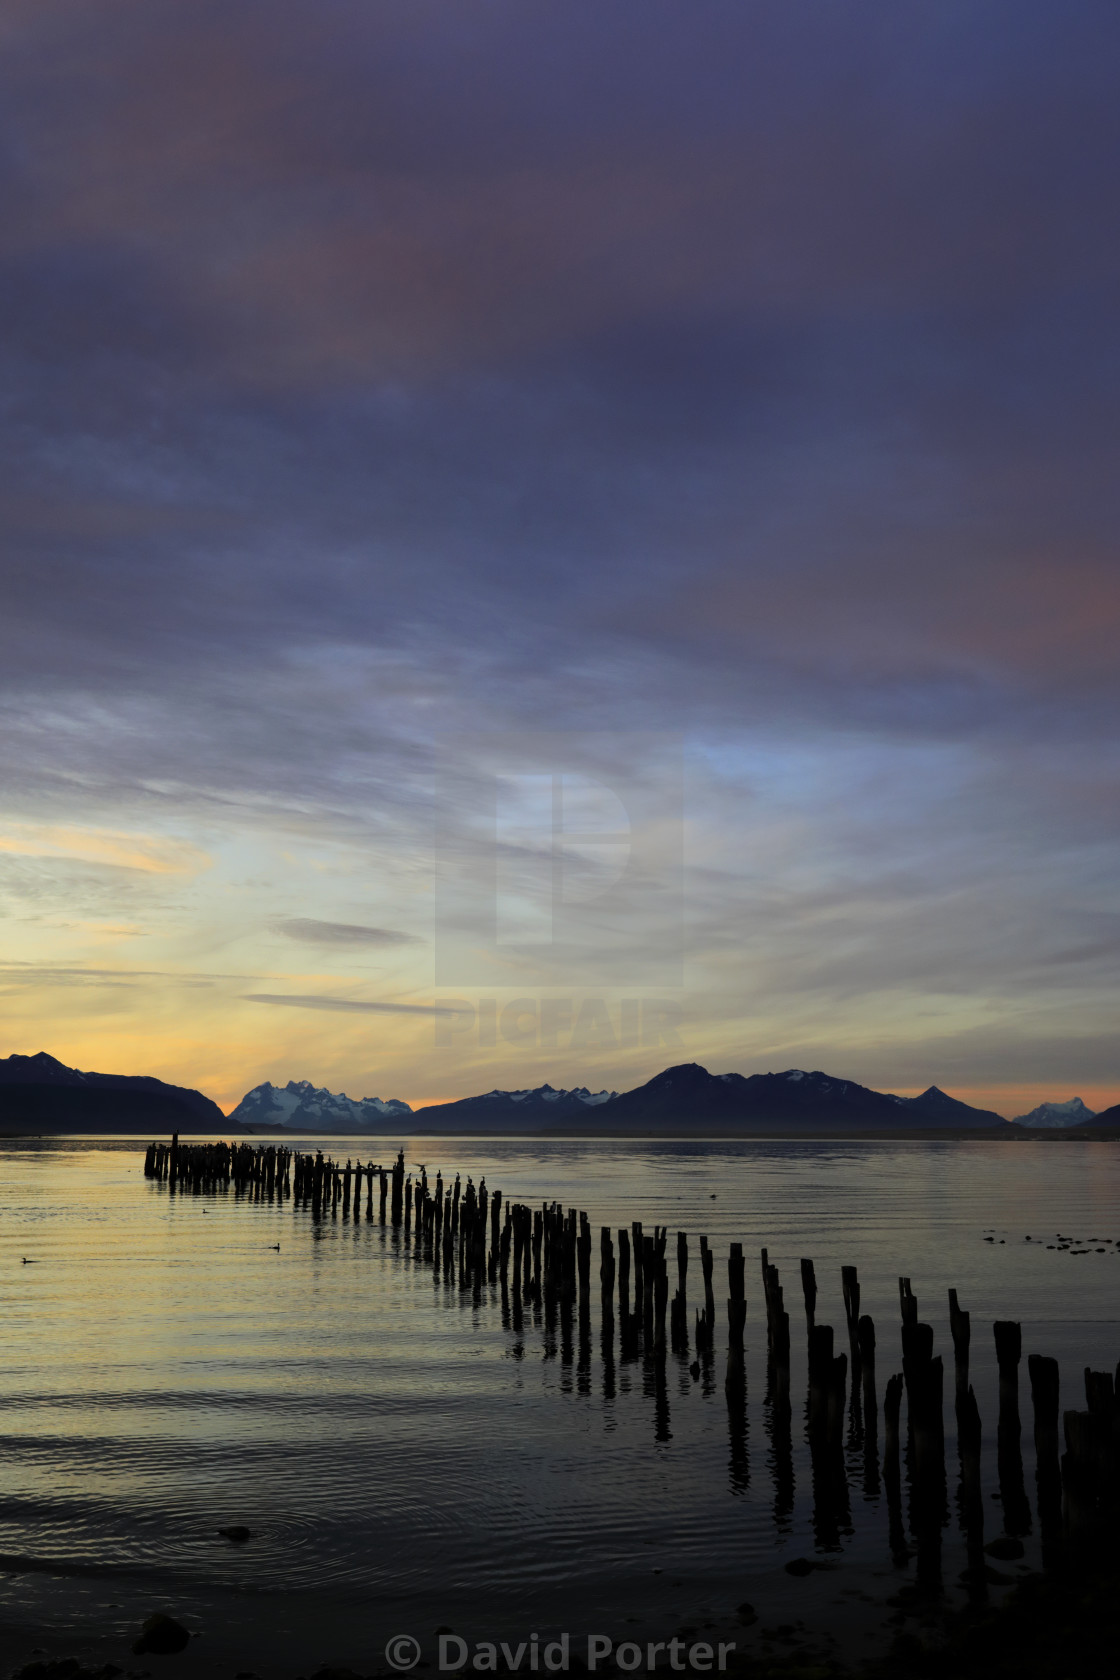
[[742, 1134]]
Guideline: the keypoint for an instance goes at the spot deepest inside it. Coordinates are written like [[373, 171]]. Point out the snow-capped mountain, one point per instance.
[[1056, 1116], [311, 1108], [545, 1093]]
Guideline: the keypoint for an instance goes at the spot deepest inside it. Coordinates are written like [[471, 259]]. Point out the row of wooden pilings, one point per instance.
[[544, 1254], [204, 1166]]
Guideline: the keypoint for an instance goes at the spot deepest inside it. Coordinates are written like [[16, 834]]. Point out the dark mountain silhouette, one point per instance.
[[791, 1099], [1107, 1119], [939, 1109], [39, 1094], [688, 1099], [515, 1111]]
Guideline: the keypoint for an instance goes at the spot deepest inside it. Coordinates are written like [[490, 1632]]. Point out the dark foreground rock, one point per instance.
[[161, 1636]]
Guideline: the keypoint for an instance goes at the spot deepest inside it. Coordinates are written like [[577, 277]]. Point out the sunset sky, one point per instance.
[[601, 516]]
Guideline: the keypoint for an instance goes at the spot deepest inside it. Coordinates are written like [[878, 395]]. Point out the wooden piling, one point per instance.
[[707, 1262], [1045, 1394], [1009, 1351], [736, 1297], [865, 1332], [849, 1280], [809, 1290], [960, 1325]]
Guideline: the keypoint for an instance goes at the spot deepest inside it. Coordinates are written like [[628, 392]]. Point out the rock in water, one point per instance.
[[806, 1566], [162, 1636]]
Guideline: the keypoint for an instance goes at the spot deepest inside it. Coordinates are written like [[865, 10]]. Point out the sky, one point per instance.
[[542, 541]]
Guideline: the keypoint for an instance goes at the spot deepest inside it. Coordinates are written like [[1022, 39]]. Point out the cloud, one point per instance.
[[374, 374], [150, 854], [292, 1001], [342, 933]]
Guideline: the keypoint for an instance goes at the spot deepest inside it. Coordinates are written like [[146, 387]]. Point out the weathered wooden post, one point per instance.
[[736, 1300], [707, 1262], [583, 1253], [680, 1300], [1044, 1379], [972, 1496], [866, 1333], [820, 1377], [849, 1279], [892, 1406], [639, 1264], [606, 1277], [961, 1326], [1009, 1454], [1080, 1479], [809, 1290], [647, 1275], [627, 1321], [660, 1299]]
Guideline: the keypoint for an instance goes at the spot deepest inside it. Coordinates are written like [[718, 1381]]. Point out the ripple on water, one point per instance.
[[167, 1373]]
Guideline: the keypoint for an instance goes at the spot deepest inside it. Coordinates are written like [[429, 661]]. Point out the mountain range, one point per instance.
[[304, 1107], [41, 1095], [688, 1099], [681, 1100]]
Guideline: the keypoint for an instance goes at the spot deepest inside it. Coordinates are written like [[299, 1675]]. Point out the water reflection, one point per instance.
[[402, 1340]]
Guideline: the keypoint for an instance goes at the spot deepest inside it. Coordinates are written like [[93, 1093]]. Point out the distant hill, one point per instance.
[[515, 1111], [1057, 1116], [938, 1109], [41, 1095], [301, 1106], [1108, 1117]]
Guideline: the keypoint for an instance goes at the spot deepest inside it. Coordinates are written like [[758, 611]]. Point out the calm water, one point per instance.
[[407, 1460]]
